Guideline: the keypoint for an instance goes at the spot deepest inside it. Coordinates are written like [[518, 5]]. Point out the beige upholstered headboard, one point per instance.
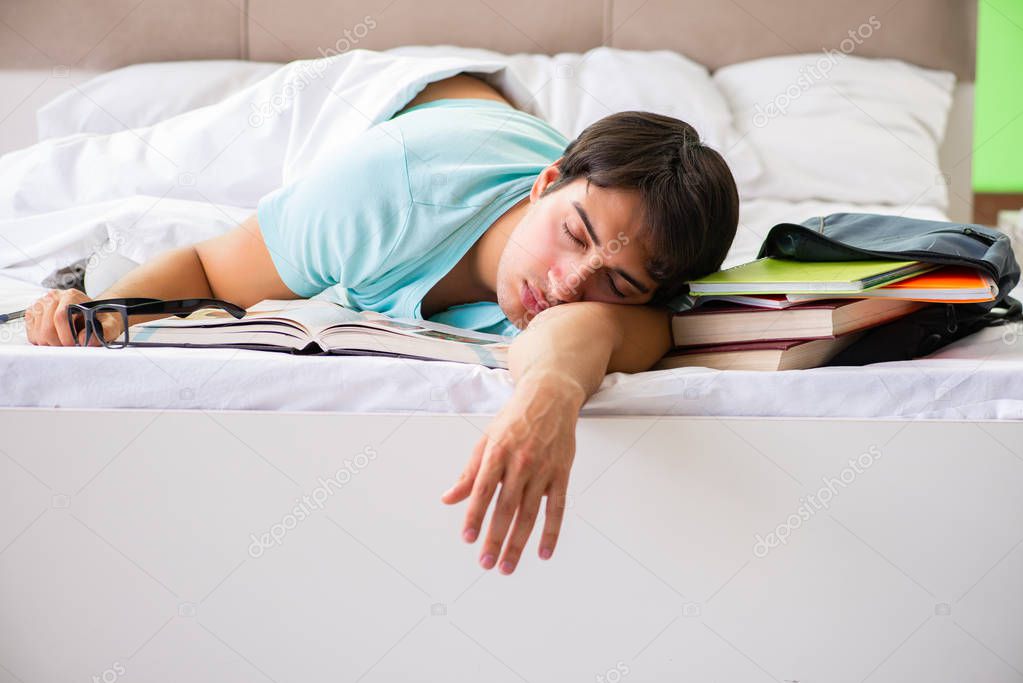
[[103, 34], [95, 35]]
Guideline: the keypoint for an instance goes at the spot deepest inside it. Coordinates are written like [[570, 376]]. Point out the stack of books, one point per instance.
[[778, 314]]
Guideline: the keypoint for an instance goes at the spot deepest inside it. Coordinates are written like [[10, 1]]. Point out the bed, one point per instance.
[[842, 523]]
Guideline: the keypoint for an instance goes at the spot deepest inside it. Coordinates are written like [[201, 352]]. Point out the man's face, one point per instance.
[[554, 257]]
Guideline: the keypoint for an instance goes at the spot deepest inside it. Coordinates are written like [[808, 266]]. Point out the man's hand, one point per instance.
[[528, 448], [46, 320]]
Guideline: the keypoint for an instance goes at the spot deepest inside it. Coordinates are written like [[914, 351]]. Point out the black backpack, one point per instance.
[[859, 236]]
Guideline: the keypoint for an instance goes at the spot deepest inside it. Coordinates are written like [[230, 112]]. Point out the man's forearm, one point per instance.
[[569, 342], [175, 274], [577, 344]]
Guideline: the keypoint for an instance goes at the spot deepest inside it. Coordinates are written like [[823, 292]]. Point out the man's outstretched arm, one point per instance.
[[558, 362]]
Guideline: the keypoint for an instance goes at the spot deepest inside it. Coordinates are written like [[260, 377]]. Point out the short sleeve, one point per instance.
[[338, 224]]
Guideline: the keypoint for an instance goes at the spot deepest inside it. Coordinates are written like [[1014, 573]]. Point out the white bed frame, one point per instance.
[[126, 548], [126, 536]]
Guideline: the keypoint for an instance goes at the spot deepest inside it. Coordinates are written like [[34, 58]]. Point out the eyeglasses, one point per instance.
[[84, 314]]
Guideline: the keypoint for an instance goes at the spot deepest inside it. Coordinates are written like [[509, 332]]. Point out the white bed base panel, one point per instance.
[[690, 551]]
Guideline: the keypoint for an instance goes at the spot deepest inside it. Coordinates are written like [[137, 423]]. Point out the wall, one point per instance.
[[998, 118]]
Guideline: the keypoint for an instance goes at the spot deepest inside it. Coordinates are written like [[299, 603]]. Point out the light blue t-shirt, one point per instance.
[[377, 227]]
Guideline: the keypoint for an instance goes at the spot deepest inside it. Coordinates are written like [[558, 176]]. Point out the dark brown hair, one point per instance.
[[689, 199]]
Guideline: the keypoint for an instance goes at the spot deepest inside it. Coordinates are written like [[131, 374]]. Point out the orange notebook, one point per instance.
[[948, 284]]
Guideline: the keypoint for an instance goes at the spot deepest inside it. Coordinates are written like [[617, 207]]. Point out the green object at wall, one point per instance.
[[998, 109]]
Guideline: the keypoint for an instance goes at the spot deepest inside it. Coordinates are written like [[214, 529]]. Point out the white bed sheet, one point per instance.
[[979, 377]]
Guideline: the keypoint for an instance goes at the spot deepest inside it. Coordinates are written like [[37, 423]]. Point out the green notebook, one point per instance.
[[770, 275]]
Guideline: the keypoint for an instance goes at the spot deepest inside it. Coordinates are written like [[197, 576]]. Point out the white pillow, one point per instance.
[[668, 83], [836, 127], [143, 94], [571, 91]]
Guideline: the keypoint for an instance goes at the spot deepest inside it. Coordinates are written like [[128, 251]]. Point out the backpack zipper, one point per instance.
[[979, 235], [951, 319]]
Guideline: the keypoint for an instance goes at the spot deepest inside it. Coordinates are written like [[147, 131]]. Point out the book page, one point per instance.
[[417, 328], [313, 314], [305, 316], [214, 319]]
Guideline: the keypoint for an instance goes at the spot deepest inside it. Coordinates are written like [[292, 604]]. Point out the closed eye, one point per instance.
[[610, 280], [611, 283], [564, 228]]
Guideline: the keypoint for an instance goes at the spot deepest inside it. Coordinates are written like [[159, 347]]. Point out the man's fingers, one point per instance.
[[557, 495], [93, 338], [508, 501], [32, 327], [525, 518], [60, 321], [463, 487], [487, 479], [43, 317]]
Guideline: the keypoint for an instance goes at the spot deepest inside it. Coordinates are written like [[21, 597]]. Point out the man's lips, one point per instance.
[[532, 300]]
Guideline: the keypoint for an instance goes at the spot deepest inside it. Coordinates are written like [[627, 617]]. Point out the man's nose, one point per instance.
[[567, 282]]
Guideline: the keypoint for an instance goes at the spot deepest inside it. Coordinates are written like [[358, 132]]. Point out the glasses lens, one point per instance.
[[114, 323]]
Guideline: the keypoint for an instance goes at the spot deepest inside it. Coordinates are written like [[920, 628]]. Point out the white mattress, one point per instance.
[[979, 377]]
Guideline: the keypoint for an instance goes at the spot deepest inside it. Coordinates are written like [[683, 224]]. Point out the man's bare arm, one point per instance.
[[235, 267], [557, 363]]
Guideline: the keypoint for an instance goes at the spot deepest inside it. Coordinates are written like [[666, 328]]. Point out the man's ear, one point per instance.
[[545, 178]]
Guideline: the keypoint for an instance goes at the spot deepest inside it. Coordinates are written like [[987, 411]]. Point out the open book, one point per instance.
[[312, 326]]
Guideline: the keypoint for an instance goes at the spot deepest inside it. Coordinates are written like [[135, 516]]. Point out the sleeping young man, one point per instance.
[[467, 211]]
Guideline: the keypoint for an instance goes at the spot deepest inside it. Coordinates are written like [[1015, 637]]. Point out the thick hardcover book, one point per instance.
[[790, 354], [720, 322]]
